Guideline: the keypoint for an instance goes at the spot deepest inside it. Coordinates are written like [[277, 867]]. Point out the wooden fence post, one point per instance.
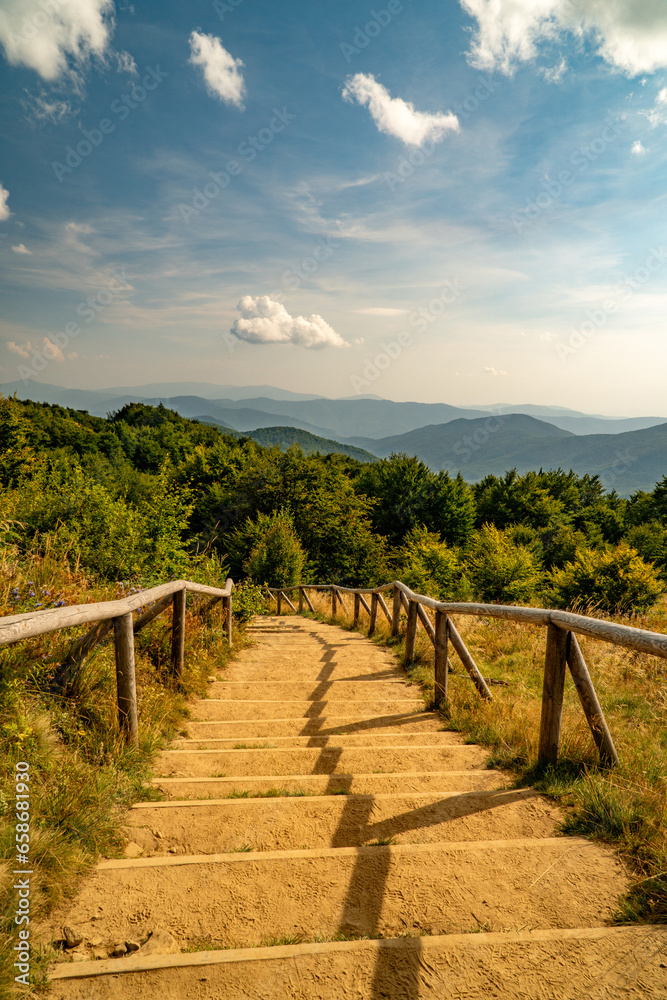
[[228, 617], [374, 614], [396, 613], [279, 603], [440, 644], [126, 685], [555, 664], [411, 632], [300, 599], [333, 602], [178, 634], [589, 701], [357, 608]]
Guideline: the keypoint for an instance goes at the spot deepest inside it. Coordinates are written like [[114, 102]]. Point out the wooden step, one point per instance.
[[243, 900], [318, 726], [339, 821], [601, 963], [365, 739], [323, 784], [303, 708], [323, 760], [315, 690]]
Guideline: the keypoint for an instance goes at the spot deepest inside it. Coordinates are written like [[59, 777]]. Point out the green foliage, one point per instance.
[[429, 566], [248, 600], [500, 571], [274, 554], [408, 494], [614, 580]]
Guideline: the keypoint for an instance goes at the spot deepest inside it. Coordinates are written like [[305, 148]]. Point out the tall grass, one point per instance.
[[625, 806]]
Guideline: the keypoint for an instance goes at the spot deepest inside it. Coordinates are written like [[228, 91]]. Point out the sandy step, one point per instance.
[[626, 963], [325, 760], [315, 690], [290, 823], [367, 739], [322, 784], [319, 726], [243, 900], [242, 708], [306, 673]]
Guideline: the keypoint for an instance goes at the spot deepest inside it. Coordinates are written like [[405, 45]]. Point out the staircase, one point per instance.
[[324, 837]]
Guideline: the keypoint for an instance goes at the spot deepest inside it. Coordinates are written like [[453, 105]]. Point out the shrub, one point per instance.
[[500, 571], [274, 554], [428, 565], [615, 579]]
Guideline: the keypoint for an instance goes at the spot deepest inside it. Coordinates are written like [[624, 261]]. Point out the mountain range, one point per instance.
[[627, 453]]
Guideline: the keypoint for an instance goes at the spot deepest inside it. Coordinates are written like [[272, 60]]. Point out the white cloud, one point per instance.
[[265, 321], [21, 248], [658, 113], [638, 148], [45, 108], [397, 117], [494, 371], [4, 207], [55, 38], [555, 73], [630, 36], [221, 70], [48, 350]]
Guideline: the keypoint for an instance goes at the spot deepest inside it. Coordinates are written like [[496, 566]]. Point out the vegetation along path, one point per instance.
[[325, 837]]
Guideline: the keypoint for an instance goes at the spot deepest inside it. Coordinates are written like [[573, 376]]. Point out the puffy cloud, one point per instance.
[[48, 350], [221, 70], [638, 148], [21, 248], [494, 371], [397, 117], [265, 321], [630, 36], [4, 207], [57, 36]]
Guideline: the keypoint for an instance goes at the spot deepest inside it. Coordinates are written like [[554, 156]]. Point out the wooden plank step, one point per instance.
[[321, 784], [626, 963], [366, 739], [303, 708], [313, 760], [243, 900], [318, 726], [316, 690], [288, 823]]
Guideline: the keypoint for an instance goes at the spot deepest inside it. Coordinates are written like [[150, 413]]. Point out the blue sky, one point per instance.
[[429, 199]]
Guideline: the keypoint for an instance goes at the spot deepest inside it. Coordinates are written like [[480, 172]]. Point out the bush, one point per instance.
[[274, 554], [614, 580], [500, 571], [429, 566]]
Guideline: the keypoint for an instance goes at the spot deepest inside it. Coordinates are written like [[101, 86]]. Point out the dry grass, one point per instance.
[[625, 806]]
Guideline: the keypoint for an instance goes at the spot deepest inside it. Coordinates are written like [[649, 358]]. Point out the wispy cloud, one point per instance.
[[380, 311], [631, 37], [494, 371], [265, 321], [397, 117], [222, 72]]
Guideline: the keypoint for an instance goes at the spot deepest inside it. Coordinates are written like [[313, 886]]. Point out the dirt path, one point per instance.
[[323, 837]]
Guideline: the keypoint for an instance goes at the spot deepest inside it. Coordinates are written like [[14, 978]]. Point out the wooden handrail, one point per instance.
[[117, 615], [562, 651]]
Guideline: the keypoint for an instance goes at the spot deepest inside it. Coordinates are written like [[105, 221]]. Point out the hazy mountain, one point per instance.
[[634, 460], [575, 421], [285, 437]]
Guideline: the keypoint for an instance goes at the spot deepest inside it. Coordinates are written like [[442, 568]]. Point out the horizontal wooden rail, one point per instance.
[[562, 652], [117, 616]]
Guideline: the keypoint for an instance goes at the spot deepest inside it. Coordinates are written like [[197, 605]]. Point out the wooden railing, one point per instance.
[[117, 616], [562, 649]]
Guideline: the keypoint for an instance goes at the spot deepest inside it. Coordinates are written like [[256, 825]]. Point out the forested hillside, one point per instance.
[[146, 494]]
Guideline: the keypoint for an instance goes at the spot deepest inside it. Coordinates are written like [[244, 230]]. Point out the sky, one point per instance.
[[457, 201]]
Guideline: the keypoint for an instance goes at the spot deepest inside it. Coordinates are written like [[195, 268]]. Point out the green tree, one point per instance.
[[428, 566], [270, 550], [614, 579], [500, 571]]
